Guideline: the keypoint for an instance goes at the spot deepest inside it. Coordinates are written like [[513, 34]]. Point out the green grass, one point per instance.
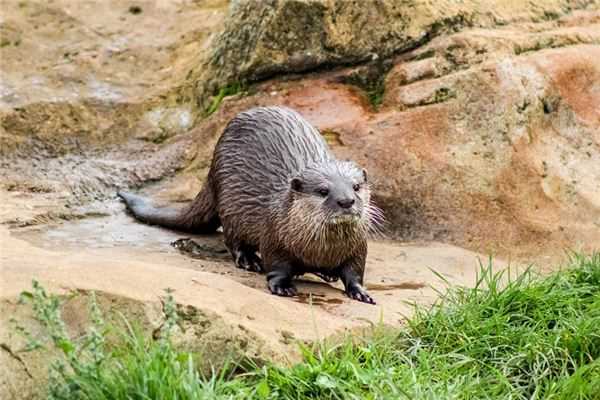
[[529, 338]]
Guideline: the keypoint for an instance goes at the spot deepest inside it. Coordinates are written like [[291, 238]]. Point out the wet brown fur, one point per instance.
[[248, 193]]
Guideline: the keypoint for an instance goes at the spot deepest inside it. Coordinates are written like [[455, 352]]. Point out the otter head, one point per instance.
[[332, 194]]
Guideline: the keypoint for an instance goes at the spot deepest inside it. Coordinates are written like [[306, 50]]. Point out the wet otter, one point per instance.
[[277, 191]]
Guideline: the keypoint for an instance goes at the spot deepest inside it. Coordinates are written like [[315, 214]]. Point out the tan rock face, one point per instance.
[[508, 142], [478, 142], [94, 72]]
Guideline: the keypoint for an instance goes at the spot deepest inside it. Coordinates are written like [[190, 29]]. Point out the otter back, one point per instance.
[[255, 158]]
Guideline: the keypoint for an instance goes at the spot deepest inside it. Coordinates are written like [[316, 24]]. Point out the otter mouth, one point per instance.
[[345, 218]]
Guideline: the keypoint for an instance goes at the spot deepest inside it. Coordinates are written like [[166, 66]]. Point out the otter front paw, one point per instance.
[[356, 292], [280, 278], [279, 288]]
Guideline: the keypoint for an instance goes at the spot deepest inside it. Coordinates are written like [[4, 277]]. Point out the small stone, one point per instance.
[[135, 10]]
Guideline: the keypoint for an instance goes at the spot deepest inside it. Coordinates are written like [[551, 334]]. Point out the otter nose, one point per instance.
[[345, 203]]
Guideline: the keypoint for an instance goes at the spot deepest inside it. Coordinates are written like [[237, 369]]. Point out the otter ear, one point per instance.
[[364, 171], [296, 184]]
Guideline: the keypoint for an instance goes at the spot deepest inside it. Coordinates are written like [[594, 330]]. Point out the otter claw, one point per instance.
[[358, 293], [286, 291], [248, 261]]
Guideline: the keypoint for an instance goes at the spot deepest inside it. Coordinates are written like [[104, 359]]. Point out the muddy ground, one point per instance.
[[97, 96]]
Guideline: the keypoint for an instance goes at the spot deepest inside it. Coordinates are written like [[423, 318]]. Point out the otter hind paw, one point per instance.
[[248, 260]]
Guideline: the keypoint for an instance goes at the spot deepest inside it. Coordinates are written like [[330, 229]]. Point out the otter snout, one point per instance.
[[345, 203], [347, 211], [345, 207]]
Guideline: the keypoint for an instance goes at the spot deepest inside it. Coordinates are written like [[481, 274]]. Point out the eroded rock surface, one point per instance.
[[76, 74], [264, 38]]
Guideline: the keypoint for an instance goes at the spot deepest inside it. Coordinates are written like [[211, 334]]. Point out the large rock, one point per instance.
[[487, 138], [507, 152], [264, 38], [78, 74], [480, 139]]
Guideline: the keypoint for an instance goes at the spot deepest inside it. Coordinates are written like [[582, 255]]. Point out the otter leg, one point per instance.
[[244, 255], [280, 272], [352, 277], [280, 280]]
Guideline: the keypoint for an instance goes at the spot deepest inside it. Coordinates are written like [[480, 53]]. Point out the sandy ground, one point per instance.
[[118, 255], [130, 265]]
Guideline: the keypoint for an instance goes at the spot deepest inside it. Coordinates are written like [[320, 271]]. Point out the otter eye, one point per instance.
[[323, 192], [356, 187]]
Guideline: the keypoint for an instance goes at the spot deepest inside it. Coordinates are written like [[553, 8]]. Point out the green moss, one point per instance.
[[440, 95], [331, 137], [375, 95], [229, 90], [371, 79], [424, 55], [443, 94]]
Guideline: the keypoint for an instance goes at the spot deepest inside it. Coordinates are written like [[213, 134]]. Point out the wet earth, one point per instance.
[[402, 271]]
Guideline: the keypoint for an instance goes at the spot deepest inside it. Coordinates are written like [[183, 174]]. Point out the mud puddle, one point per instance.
[[401, 286], [317, 299], [101, 233], [119, 233]]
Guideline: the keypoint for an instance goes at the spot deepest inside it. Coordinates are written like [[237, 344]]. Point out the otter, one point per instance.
[[286, 206]]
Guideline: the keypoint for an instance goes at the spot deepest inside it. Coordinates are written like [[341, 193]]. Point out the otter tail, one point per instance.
[[200, 216]]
